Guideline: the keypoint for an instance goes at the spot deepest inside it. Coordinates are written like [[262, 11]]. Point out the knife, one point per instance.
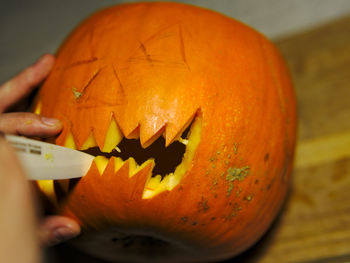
[[46, 161]]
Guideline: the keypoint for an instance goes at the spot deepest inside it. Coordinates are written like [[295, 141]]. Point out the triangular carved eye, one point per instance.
[[153, 51]]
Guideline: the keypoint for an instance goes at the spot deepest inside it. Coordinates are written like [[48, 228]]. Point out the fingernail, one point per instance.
[[50, 121], [63, 234]]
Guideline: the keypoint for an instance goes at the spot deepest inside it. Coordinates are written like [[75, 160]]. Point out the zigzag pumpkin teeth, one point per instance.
[[145, 142], [101, 163], [138, 168], [118, 163], [69, 141], [132, 166], [89, 143], [152, 184], [113, 137], [156, 185], [174, 134]]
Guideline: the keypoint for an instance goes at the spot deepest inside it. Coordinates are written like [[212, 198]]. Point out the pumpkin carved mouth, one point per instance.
[[166, 158], [169, 164]]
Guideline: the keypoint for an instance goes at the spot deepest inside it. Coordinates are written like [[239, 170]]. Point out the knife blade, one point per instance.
[[46, 161]]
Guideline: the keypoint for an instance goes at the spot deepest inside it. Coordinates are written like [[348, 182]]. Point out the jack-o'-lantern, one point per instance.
[[191, 115]]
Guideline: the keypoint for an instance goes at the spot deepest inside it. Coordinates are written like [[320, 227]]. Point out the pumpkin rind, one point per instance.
[[153, 67]]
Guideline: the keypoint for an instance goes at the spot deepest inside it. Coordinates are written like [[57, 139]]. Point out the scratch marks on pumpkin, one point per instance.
[[93, 104], [78, 94], [81, 62], [89, 58], [119, 81], [94, 76], [146, 57], [203, 205], [162, 33], [182, 47], [171, 38], [144, 51]]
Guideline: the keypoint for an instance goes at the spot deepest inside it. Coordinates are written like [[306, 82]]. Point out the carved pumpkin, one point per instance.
[[197, 114]]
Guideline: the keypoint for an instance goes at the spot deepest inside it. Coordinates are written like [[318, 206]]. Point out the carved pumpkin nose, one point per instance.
[[141, 74]]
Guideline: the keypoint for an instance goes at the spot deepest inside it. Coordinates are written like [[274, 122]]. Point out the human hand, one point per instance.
[[53, 229], [19, 238]]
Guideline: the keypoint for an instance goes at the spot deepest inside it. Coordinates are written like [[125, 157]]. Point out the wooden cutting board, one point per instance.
[[315, 223]]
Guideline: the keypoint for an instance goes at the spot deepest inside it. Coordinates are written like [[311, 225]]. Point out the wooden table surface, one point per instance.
[[314, 225]]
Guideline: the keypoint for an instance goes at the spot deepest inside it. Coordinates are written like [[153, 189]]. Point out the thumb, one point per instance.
[[57, 229], [18, 226]]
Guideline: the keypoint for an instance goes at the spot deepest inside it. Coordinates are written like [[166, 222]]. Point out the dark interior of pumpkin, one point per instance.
[[166, 158]]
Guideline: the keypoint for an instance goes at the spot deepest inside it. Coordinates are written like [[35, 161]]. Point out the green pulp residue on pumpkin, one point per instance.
[[236, 173], [235, 209], [203, 205], [235, 147], [76, 93]]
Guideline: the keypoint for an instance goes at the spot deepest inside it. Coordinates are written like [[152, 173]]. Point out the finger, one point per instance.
[[10, 169], [18, 224], [29, 124], [57, 229], [22, 84]]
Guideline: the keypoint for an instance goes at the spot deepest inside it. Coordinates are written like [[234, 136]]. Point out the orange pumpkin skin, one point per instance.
[[153, 67]]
